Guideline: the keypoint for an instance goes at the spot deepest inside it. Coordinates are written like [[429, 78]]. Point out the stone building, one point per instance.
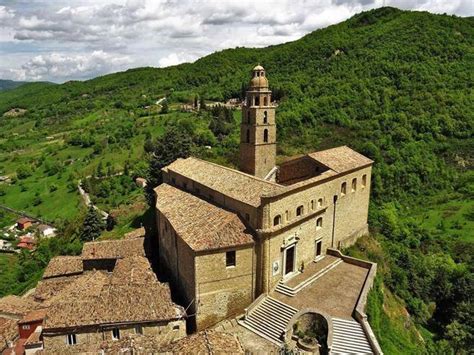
[[227, 236]]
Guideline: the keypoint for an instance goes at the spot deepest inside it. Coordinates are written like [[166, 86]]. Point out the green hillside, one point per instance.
[[394, 85]]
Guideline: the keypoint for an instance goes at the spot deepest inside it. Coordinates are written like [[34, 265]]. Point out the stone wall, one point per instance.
[[223, 291], [96, 335], [350, 222]]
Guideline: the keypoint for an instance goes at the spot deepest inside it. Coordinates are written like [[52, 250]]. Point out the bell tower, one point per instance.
[[258, 127]]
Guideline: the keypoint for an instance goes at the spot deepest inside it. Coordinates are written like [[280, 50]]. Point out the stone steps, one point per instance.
[[349, 338], [292, 291], [269, 319]]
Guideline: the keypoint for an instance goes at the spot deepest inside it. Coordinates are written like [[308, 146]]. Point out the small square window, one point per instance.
[[26, 326], [139, 329], [71, 339], [230, 258], [175, 327], [115, 334]]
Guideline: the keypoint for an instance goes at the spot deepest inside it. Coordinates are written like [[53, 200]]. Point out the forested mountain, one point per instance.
[[394, 85], [9, 84]]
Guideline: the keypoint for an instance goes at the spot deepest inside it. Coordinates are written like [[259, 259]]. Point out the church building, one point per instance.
[[228, 236]]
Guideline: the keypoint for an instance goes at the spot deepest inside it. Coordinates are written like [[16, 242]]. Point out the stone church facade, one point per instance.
[[226, 236]]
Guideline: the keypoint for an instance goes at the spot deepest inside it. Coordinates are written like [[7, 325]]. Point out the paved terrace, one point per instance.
[[335, 293]]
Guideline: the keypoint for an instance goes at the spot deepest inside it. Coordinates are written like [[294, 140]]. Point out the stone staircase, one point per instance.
[[349, 338], [269, 319], [292, 291]]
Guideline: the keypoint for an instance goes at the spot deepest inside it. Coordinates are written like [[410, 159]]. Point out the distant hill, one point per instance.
[[10, 84]]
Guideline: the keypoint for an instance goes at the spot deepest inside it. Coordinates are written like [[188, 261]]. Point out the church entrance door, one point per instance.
[[289, 260]]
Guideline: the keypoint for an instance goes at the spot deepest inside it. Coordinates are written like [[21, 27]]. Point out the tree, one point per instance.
[[174, 144], [164, 107], [202, 103], [196, 101], [92, 225]]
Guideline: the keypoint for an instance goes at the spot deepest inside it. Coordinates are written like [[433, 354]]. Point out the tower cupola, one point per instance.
[[259, 79]]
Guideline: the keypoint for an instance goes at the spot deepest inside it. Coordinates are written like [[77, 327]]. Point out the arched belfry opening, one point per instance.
[[258, 157]]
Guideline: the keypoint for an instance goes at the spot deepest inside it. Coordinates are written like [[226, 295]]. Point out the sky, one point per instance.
[[60, 40]]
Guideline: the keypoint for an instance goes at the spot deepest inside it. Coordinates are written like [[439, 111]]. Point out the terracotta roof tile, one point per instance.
[[206, 342], [8, 330], [49, 287], [128, 294], [233, 183], [63, 265], [33, 316], [16, 305], [341, 159], [200, 224], [113, 249]]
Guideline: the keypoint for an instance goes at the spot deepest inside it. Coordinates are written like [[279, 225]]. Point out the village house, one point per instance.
[[46, 230], [86, 302], [227, 236], [24, 223]]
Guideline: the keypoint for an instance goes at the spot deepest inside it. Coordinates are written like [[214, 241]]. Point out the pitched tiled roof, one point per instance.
[[33, 316], [8, 330], [49, 287], [137, 233], [200, 224], [63, 265], [230, 182], [206, 342], [113, 249], [341, 159], [129, 294], [16, 305]]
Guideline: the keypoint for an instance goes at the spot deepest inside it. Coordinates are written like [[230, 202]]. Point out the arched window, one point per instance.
[[265, 117], [320, 202], [265, 101], [354, 185], [319, 223], [257, 100], [343, 188], [248, 136], [364, 180], [312, 204], [300, 210], [248, 117], [277, 220], [287, 215], [265, 135]]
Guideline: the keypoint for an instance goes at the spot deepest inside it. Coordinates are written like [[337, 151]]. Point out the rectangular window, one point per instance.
[[299, 211], [230, 258], [115, 334], [71, 339], [343, 189], [26, 326], [354, 185], [139, 329], [364, 180]]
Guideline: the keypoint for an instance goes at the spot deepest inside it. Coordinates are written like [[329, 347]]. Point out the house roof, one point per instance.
[[200, 224], [341, 159], [48, 288], [8, 330], [137, 233], [206, 342], [131, 293], [23, 220], [33, 316], [63, 265], [44, 227], [113, 249], [230, 182], [16, 305]]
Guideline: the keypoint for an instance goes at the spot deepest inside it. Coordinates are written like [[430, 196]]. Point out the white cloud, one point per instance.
[[68, 35], [56, 66]]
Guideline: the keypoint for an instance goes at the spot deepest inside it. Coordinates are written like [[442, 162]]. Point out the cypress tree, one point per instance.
[[92, 225]]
